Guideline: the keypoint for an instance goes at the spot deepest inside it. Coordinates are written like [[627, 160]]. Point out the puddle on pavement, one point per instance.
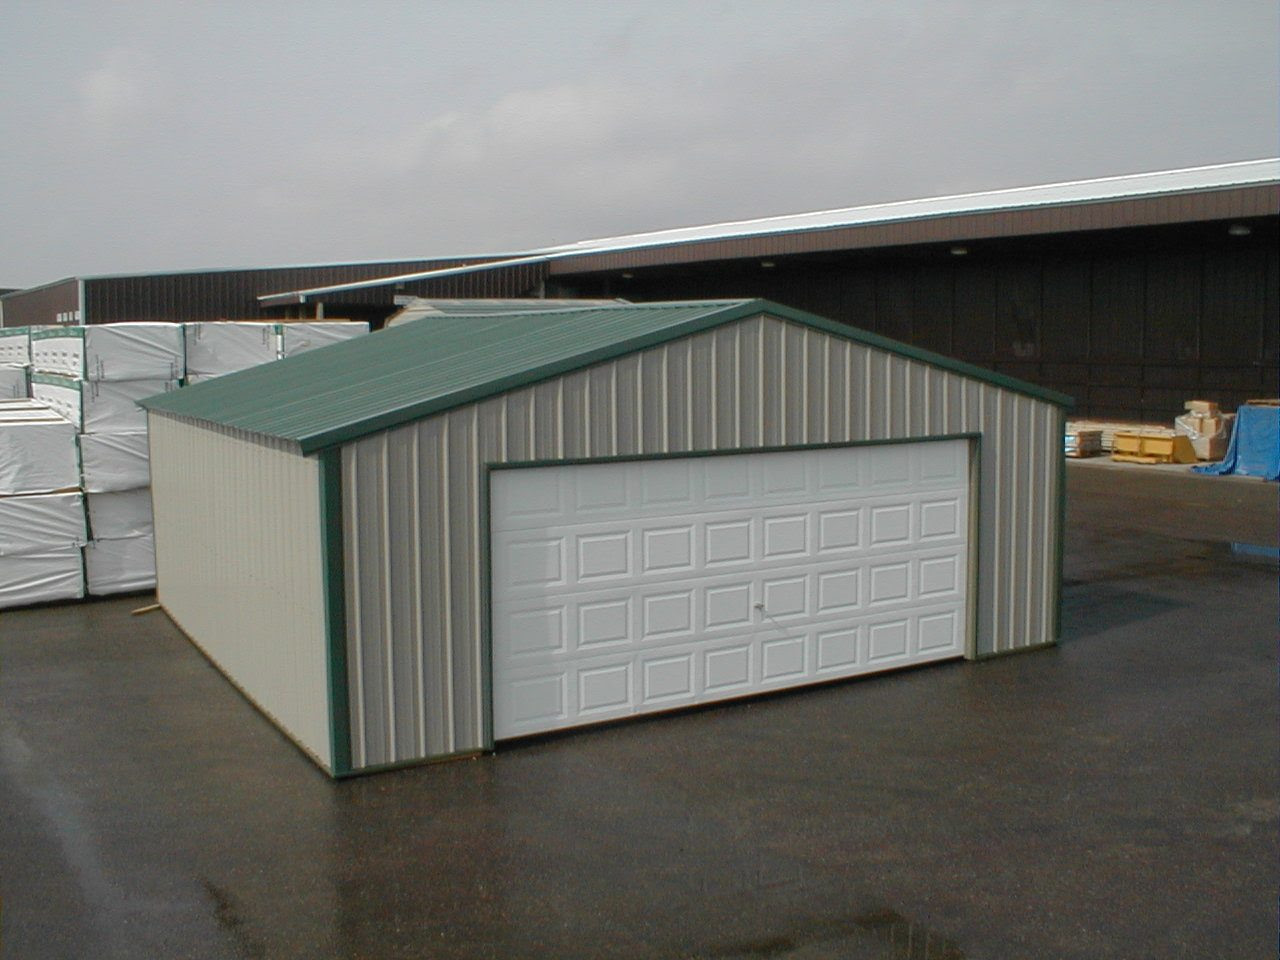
[[882, 935], [1195, 558], [907, 940]]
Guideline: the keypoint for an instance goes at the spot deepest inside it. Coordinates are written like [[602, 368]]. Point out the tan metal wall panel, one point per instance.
[[416, 557], [240, 567]]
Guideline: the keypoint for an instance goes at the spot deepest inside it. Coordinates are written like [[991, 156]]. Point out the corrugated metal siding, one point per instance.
[[232, 294], [413, 504], [516, 281], [1131, 327], [41, 305], [242, 572]]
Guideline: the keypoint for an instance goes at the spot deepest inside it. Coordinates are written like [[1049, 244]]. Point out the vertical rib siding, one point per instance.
[[414, 501], [242, 572]]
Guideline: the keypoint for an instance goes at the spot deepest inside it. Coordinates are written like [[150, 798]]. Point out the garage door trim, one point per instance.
[[486, 539]]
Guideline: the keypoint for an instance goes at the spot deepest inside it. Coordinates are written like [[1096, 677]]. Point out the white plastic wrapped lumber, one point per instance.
[[298, 338], [15, 345], [225, 346], [37, 451], [120, 566], [35, 522], [115, 516], [14, 382], [114, 461], [111, 351], [53, 573], [96, 406]]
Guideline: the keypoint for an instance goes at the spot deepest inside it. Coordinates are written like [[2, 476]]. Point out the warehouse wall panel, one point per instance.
[[416, 570], [256, 537]]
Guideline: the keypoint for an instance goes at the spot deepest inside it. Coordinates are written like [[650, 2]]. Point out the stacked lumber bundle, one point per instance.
[[75, 498], [1082, 441], [94, 376], [15, 363], [220, 347], [1151, 445], [42, 517]]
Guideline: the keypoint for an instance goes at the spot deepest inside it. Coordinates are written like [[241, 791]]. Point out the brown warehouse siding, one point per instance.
[[522, 280], [224, 294], [40, 305], [1130, 328]]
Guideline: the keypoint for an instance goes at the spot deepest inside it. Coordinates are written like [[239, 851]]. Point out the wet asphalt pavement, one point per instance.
[[1117, 796]]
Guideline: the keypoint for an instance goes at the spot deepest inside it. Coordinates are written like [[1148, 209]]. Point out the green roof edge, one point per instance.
[[718, 314]]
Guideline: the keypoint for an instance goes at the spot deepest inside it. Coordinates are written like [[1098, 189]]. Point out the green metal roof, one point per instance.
[[344, 391]]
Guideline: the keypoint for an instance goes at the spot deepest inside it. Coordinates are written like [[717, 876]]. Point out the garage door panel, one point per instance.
[[627, 588], [617, 684], [718, 483], [572, 559], [610, 687], [646, 614]]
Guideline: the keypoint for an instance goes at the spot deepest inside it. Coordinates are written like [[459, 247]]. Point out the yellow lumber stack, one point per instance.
[[1152, 446]]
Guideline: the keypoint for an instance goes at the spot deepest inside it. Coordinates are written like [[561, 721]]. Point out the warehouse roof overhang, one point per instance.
[[348, 390], [1245, 189]]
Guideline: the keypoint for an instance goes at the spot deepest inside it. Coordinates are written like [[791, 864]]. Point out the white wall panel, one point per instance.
[[240, 567]]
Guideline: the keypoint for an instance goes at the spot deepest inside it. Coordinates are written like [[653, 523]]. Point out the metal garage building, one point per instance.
[[470, 528]]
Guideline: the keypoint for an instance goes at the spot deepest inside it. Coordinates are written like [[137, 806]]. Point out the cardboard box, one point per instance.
[[1206, 407], [1210, 448]]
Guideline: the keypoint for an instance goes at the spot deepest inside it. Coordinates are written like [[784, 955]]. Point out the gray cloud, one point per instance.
[[161, 138]]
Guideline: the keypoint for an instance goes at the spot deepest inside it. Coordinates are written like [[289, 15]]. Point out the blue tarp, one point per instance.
[[1254, 450]]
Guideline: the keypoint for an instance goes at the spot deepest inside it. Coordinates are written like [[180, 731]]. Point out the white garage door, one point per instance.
[[627, 588]]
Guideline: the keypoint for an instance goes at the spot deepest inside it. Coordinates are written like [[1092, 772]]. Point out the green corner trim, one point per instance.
[[335, 600], [1061, 547]]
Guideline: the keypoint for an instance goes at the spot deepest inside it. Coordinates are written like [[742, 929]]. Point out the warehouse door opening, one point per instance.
[[631, 587]]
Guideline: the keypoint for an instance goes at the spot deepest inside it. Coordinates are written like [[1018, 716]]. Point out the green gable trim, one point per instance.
[[342, 392], [14, 331]]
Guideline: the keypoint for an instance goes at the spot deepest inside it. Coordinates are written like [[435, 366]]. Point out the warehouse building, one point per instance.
[[1130, 293], [478, 527], [235, 294]]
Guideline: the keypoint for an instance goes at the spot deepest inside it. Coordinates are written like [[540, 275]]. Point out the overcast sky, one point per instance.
[[158, 136]]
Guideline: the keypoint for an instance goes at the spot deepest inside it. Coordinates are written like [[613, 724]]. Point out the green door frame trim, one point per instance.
[[486, 560], [332, 548]]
